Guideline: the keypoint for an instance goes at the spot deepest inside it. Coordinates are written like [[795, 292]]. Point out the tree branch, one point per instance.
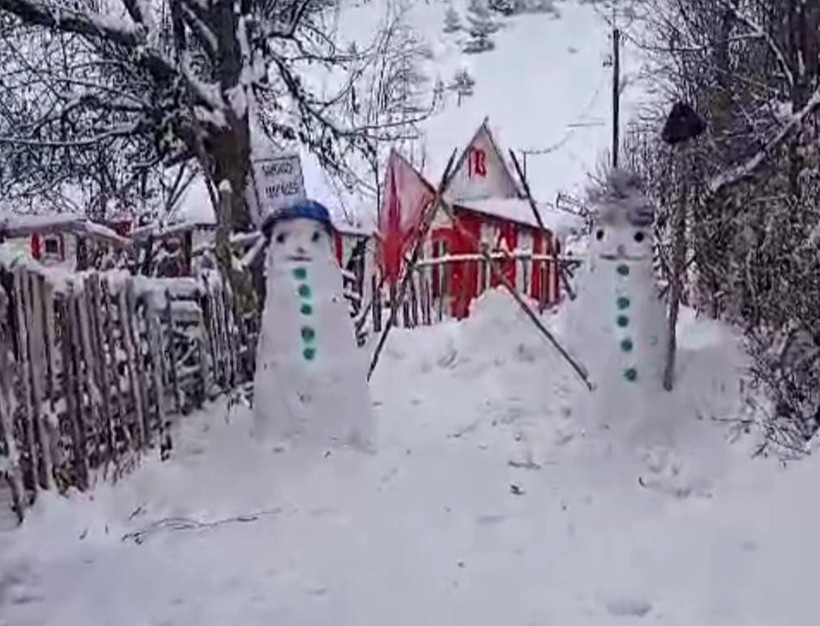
[[758, 31], [88, 23], [745, 170]]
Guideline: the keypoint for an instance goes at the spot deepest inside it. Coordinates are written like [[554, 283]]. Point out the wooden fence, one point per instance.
[[93, 366], [425, 305]]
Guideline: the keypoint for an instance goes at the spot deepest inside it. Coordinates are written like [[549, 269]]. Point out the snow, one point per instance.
[[21, 225], [520, 210], [486, 503]]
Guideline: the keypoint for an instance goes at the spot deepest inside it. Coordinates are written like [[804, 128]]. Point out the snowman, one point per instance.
[[310, 388], [617, 323]]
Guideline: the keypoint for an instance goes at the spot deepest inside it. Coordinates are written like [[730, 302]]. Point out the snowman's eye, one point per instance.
[[639, 236], [281, 237], [599, 235], [316, 236]]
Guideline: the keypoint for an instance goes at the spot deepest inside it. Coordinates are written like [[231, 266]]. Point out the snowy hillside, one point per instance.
[[546, 88], [484, 508]]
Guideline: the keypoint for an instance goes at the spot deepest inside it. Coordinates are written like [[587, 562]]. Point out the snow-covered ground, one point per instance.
[[488, 502]]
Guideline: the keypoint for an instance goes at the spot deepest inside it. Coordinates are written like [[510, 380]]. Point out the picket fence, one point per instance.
[[94, 366]]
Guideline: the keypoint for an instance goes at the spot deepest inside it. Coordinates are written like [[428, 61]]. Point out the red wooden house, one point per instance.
[[492, 212]]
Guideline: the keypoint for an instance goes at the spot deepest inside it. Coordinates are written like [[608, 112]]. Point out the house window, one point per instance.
[[51, 246]]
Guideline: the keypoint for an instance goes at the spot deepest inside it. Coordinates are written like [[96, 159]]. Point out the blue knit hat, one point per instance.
[[304, 209]]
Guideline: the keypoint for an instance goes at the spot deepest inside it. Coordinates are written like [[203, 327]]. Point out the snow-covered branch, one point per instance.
[[86, 23], [745, 170], [760, 32]]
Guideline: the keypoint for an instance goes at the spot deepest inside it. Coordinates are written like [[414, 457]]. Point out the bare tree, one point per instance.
[[462, 84], [144, 85], [392, 97]]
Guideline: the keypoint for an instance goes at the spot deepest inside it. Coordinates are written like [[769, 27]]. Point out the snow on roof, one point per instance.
[[22, 225], [519, 210]]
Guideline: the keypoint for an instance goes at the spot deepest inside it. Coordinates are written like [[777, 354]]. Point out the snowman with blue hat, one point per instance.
[[310, 388]]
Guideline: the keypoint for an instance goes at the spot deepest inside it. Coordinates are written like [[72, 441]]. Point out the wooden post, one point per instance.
[[675, 289], [414, 301], [209, 332], [70, 389], [377, 306], [101, 364], [154, 343], [92, 378], [202, 340], [13, 474], [139, 337], [228, 334], [34, 317], [119, 406], [51, 357], [133, 374], [616, 94], [170, 350], [23, 358], [83, 384]]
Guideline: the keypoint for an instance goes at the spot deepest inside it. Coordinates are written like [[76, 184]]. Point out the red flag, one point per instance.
[[406, 198]]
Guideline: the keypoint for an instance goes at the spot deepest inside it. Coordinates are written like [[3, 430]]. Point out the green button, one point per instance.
[[623, 270], [631, 374], [626, 345], [306, 309], [623, 321], [300, 273], [308, 334], [309, 354], [304, 291], [623, 303]]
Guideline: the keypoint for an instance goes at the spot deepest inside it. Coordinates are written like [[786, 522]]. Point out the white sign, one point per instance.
[[279, 182]]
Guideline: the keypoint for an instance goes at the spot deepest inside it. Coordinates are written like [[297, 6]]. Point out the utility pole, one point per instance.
[[616, 93]]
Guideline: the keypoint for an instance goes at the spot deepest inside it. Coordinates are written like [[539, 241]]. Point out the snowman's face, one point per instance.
[[298, 240], [619, 240]]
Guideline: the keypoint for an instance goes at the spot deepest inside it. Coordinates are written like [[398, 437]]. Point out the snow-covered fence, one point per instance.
[[94, 365], [434, 294]]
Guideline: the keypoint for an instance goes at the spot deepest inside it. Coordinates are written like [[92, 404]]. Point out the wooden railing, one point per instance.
[[94, 366]]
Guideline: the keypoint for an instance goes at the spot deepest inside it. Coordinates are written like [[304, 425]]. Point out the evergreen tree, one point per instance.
[[452, 21], [480, 27]]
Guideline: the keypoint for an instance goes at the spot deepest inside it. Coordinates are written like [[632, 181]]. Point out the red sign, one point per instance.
[[477, 163]]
